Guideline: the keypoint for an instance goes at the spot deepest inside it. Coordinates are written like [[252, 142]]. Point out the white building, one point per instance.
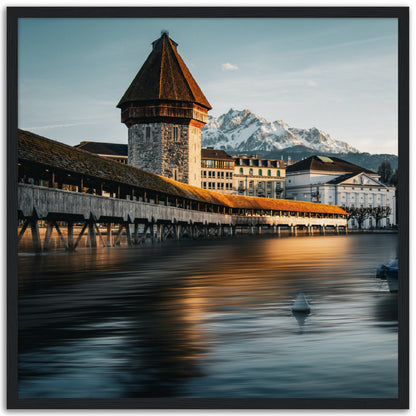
[[260, 177], [335, 181]]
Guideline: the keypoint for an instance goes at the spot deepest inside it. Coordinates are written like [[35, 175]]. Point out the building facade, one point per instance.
[[259, 177], [335, 181], [164, 110], [217, 170]]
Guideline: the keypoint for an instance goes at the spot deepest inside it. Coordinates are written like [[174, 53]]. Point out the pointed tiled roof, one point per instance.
[[164, 76]]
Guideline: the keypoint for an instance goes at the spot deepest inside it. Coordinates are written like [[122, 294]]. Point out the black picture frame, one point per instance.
[[401, 13]]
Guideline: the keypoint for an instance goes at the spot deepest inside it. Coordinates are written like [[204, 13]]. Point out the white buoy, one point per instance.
[[301, 304]]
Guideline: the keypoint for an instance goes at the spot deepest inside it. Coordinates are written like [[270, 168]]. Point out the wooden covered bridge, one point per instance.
[[62, 186]]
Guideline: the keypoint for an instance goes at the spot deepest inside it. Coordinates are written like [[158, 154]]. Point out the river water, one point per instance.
[[210, 318]]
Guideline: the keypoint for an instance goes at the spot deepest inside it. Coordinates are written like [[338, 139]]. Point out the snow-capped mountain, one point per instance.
[[246, 131]]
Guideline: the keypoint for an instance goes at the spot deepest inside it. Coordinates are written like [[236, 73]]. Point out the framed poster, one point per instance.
[[239, 239]]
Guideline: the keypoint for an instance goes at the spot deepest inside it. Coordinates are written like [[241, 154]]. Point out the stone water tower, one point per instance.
[[164, 110]]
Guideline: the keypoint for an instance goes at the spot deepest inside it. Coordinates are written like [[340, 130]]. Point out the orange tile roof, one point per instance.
[[38, 149]]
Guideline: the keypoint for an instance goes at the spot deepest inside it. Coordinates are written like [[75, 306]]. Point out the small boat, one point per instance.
[[391, 273], [387, 269]]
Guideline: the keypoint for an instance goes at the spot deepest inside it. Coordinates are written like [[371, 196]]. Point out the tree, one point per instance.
[[394, 179], [358, 214], [379, 213], [385, 171]]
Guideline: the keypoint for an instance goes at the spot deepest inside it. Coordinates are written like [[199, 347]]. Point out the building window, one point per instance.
[[218, 175], [250, 172], [269, 173], [241, 171], [204, 185], [251, 184], [260, 172], [175, 133], [278, 174]]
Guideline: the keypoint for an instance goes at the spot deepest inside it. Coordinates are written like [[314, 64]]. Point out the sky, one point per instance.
[[339, 75]]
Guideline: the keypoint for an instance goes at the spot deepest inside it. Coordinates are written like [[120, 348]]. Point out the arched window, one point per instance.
[[260, 172], [278, 173], [250, 172], [241, 171], [269, 173]]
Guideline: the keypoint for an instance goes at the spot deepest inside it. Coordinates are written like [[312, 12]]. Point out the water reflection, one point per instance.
[[211, 319]]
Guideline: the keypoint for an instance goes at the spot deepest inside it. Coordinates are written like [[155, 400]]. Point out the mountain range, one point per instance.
[[244, 132]]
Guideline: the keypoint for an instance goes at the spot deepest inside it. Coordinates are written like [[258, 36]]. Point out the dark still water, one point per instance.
[[210, 319]]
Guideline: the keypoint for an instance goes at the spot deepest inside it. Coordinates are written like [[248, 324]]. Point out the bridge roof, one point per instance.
[[37, 149]]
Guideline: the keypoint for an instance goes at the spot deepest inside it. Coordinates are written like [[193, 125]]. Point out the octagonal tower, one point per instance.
[[164, 110]]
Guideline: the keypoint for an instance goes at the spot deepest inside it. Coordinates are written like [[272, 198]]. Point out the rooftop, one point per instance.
[[37, 149], [164, 77], [214, 154], [113, 149], [326, 164]]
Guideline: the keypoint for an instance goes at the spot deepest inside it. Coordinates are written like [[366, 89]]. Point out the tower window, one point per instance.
[[175, 133], [147, 134]]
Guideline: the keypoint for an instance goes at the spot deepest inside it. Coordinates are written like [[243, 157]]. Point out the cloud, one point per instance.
[[55, 126], [311, 83], [229, 67]]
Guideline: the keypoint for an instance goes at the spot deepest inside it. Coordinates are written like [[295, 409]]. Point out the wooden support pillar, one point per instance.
[[291, 230], [109, 234], [37, 246], [80, 235], [259, 229], [346, 230], [70, 235], [49, 229], [127, 227], [119, 234], [278, 230], [177, 231], [60, 235], [22, 231], [295, 230], [159, 232], [99, 234], [323, 229], [92, 236], [136, 233], [152, 232]]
